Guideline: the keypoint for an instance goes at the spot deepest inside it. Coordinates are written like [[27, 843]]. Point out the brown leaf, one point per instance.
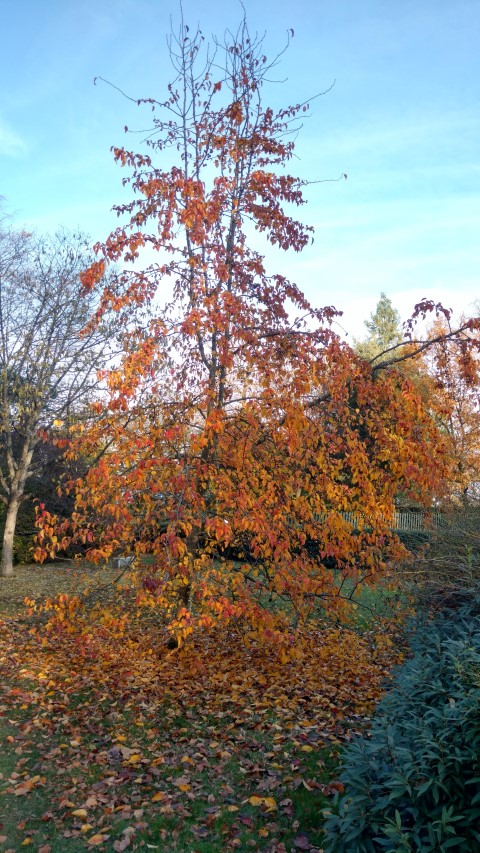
[[301, 842], [122, 843]]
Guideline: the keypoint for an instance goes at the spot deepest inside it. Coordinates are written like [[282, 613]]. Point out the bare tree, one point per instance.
[[49, 359]]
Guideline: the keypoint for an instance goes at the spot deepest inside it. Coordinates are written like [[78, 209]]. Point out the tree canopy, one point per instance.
[[48, 363], [384, 330], [244, 451]]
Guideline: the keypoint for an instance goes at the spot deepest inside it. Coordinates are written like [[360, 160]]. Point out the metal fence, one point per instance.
[[405, 520]]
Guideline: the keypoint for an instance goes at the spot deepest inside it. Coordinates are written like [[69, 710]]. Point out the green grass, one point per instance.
[[227, 761], [212, 816]]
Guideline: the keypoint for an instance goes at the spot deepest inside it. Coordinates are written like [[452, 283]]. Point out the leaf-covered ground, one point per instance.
[[110, 741]]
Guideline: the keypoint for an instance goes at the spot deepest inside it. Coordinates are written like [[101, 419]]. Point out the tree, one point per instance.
[[454, 376], [384, 328], [48, 366], [243, 447]]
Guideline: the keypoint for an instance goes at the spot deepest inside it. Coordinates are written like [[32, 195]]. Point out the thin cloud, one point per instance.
[[11, 144]]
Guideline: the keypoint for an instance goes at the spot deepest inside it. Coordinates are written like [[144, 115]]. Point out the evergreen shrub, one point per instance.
[[413, 783]]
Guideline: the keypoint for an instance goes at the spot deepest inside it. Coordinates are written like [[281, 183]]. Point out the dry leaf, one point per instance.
[[79, 813], [97, 839], [121, 844], [159, 797]]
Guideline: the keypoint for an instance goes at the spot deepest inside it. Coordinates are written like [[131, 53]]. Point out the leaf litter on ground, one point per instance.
[[213, 747]]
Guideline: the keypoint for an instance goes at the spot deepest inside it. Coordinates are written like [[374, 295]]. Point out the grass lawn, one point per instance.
[[110, 741]]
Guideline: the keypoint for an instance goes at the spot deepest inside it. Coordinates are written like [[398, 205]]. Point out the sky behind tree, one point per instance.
[[402, 120]]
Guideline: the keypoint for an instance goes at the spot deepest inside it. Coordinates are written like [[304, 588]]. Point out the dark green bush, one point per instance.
[[413, 784], [22, 549]]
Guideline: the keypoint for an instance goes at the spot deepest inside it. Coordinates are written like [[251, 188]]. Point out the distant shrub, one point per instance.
[[413, 784], [22, 549]]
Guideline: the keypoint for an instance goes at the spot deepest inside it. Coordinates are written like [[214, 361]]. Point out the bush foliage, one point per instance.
[[413, 784]]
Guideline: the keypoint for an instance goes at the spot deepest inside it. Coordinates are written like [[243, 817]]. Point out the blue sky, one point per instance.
[[402, 120]]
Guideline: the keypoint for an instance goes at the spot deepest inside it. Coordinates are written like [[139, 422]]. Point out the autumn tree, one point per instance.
[[454, 375], [239, 431], [48, 367]]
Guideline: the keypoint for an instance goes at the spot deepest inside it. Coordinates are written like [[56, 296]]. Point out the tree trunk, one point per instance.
[[9, 533]]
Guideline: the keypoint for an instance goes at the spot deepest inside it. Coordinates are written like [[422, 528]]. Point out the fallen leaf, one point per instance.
[[159, 797], [301, 842], [97, 839], [121, 844]]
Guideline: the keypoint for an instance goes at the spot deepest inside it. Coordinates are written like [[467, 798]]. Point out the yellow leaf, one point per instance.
[[270, 803], [183, 787], [86, 827], [26, 841], [263, 833], [306, 748], [79, 813], [96, 839], [255, 801], [232, 809], [134, 759]]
